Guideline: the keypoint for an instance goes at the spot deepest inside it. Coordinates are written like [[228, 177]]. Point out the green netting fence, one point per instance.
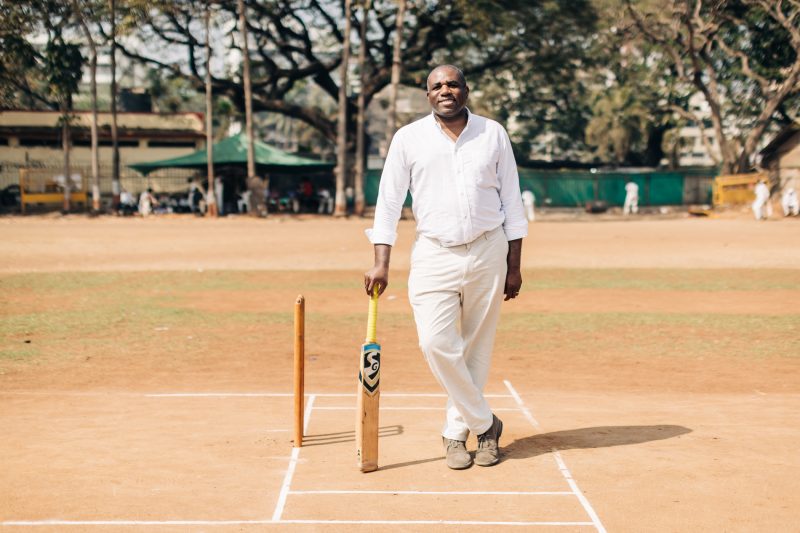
[[577, 188]]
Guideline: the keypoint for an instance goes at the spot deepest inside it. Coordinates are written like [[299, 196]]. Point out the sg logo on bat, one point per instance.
[[370, 374]]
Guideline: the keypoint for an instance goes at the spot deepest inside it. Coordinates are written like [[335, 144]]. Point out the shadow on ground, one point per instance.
[[594, 437], [322, 439]]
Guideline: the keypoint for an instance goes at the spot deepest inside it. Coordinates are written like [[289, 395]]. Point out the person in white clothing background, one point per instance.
[[762, 208], [789, 202], [631, 198], [529, 201], [462, 176]]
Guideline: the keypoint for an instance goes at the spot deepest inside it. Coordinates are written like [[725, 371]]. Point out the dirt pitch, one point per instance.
[[647, 377]]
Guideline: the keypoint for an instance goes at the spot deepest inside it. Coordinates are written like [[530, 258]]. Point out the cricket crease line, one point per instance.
[[434, 522], [574, 486], [226, 394], [438, 492], [287, 480], [522, 406], [21, 523], [562, 466], [220, 395], [436, 408], [254, 394], [36, 523], [307, 414]]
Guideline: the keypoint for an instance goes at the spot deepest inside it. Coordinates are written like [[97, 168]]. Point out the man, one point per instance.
[[762, 208], [631, 199], [789, 202], [529, 201], [463, 179]]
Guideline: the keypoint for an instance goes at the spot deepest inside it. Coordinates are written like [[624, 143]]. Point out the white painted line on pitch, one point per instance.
[[287, 481], [439, 492], [307, 413], [35, 523], [562, 467], [574, 486], [226, 394], [220, 395], [287, 394], [434, 522], [525, 410], [21, 523], [435, 408]]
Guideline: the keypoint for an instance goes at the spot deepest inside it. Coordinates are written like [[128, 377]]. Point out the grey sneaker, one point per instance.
[[456, 454], [488, 453]]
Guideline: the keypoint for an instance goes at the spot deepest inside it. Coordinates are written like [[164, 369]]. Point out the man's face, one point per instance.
[[446, 93]]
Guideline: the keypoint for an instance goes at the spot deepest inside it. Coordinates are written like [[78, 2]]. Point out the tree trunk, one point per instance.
[[95, 140], [65, 145], [391, 125], [93, 91], [115, 185], [254, 184], [654, 152], [360, 128], [340, 208], [211, 197]]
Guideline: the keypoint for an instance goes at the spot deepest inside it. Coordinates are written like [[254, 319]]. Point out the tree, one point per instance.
[[743, 56], [63, 64], [115, 183], [546, 90], [341, 133], [78, 10], [296, 42], [397, 69], [21, 81], [211, 197], [361, 155], [618, 122], [253, 182]]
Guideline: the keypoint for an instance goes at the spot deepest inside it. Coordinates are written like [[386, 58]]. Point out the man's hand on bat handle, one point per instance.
[[379, 273]]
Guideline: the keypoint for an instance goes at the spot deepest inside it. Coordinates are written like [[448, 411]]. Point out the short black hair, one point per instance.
[[459, 73]]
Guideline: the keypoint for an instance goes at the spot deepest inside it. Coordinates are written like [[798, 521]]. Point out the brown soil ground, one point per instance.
[[657, 358]]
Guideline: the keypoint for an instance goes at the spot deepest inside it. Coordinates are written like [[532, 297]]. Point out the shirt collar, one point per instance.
[[469, 118]]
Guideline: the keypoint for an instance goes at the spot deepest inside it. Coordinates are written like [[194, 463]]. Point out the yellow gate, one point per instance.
[[735, 189], [41, 186]]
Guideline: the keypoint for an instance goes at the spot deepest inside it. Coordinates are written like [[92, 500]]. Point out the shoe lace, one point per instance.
[[451, 443]]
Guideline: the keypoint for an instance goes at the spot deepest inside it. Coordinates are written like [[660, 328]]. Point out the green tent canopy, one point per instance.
[[233, 152]]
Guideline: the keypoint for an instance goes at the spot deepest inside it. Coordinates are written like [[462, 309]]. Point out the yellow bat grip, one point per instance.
[[372, 321]]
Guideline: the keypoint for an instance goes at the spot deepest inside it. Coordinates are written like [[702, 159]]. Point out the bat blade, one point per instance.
[[369, 393]]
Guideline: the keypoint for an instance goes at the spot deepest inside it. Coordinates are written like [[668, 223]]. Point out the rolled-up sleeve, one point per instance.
[[395, 180], [516, 224]]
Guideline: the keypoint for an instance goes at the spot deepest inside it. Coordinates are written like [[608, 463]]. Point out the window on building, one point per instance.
[[124, 143], [171, 144], [36, 141]]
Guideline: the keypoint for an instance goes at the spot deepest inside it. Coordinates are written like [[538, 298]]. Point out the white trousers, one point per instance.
[[456, 293], [631, 205]]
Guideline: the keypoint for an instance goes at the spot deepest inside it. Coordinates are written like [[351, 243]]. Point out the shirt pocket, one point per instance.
[[481, 166]]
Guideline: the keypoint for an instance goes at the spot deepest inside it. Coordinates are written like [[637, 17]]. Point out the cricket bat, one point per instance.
[[369, 392]]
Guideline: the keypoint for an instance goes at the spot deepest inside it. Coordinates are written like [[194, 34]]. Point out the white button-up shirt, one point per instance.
[[460, 189]]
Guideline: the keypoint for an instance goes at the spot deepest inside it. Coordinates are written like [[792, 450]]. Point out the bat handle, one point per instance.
[[372, 321]]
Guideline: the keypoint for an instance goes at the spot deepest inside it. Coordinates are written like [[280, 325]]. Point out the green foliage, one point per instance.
[[618, 124], [62, 64]]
